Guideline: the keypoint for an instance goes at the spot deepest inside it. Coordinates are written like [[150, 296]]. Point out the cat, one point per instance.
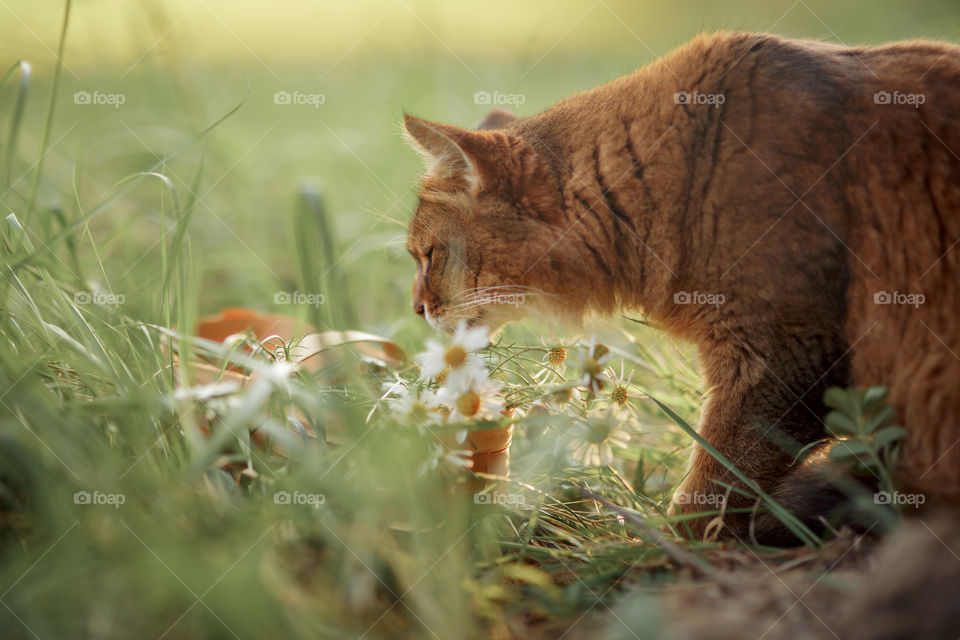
[[792, 207]]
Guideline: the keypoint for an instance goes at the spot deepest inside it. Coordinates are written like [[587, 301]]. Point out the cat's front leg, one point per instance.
[[759, 417], [711, 488]]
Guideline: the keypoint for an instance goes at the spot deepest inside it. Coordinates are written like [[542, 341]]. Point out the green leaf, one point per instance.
[[841, 424], [847, 401], [884, 416], [872, 397], [887, 436]]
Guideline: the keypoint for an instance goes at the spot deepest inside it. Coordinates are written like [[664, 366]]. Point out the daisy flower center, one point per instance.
[[619, 395], [468, 404], [455, 356], [557, 356]]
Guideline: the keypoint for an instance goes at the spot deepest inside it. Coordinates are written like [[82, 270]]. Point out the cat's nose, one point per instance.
[[418, 308]]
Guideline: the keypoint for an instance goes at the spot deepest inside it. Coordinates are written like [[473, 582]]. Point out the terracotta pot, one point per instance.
[[489, 454], [492, 462], [263, 325]]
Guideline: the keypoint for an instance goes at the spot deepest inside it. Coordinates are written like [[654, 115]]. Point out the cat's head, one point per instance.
[[486, 232]]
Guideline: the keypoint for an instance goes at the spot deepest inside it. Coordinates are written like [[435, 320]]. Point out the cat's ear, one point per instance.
[[497, 119], [451, 152]]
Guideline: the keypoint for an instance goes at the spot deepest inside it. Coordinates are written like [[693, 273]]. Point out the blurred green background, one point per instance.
[[181, 64]]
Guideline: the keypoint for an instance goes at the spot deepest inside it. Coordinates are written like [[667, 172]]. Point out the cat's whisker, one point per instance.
[[398, 240], [382, 215], [498, 297], [494, 298], [468, 306], [480, 292], [465, 306]]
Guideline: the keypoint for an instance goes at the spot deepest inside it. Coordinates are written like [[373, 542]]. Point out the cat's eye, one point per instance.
[[428, 254]]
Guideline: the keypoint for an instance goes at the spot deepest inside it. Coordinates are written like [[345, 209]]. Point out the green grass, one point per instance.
[[199, 193]]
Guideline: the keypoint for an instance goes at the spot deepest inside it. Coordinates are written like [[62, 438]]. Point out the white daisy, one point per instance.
[[596, 442], [554, 363], [472, 396], [620, 394], [406, 403], [456, 357]]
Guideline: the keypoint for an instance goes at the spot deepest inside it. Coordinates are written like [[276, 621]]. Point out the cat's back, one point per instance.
[[767, 71]]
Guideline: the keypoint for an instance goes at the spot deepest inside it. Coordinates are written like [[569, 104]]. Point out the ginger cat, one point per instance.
[[791, 207]]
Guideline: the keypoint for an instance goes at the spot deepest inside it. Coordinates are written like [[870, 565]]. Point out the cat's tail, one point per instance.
[[824, 496]]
